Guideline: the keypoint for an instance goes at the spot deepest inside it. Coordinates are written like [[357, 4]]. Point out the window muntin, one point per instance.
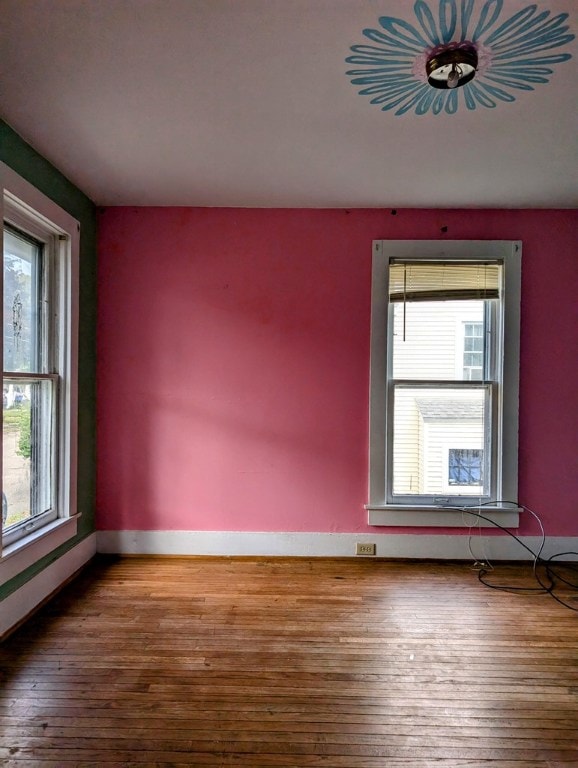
[[498, 310], [40, 316]]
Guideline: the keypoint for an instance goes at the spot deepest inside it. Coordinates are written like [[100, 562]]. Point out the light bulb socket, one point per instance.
[[442, 62]]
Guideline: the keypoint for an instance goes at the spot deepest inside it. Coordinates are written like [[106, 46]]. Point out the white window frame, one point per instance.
[[382, 511], [28, 210]]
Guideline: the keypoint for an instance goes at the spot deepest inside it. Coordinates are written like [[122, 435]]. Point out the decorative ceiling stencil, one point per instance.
[[514, 54]]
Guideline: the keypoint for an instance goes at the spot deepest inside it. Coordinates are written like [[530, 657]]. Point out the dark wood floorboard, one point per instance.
[[291, 663]]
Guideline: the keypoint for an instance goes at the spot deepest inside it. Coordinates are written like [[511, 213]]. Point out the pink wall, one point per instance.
[[233, 364]]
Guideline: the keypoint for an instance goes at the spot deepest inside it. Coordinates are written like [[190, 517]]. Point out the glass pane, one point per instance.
[[473, 359], [465, 466], [430, 339], [473, 329], [27, 468], [21, 271], [434, 431]]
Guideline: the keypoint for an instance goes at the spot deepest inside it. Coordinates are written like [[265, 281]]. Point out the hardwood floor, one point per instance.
[[279, 663]]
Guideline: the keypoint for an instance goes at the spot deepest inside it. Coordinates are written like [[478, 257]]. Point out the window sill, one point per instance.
[[440, 517], [23, 553]]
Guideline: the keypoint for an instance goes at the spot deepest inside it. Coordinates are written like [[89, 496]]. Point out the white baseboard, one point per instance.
[[24, 600], [442, 547], [20, 603]]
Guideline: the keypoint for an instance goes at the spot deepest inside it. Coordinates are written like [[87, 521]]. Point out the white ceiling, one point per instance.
[[246, 103]]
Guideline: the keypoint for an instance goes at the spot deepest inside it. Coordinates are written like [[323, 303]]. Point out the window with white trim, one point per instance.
[[441, 434], [473, 355], [39, 350], [466, 467]]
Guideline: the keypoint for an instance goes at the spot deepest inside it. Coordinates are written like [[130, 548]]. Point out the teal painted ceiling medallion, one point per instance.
[[472, 55]]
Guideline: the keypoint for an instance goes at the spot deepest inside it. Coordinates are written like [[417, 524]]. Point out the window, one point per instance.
[[443, 434], [465, 466], [39, 316], [473, 355]]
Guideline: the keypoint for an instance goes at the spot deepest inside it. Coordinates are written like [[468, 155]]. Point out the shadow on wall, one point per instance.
[[243, 440]]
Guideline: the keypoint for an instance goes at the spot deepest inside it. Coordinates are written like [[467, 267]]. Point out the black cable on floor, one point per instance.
[[552, 575]]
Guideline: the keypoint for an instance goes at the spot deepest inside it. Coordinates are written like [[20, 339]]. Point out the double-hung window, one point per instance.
[[39, 349], [444, 380]]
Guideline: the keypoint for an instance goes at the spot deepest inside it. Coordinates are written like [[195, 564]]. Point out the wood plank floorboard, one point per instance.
[[292, 663]]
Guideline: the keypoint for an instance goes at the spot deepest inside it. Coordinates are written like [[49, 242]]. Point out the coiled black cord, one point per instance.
[[551, 577]]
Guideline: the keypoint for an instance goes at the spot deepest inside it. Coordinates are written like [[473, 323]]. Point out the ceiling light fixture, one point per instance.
[[451, 66]]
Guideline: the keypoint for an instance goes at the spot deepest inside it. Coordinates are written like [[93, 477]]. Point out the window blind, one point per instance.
[[443, 281]]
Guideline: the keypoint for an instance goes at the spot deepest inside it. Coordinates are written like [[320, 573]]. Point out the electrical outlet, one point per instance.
[[365, 549]]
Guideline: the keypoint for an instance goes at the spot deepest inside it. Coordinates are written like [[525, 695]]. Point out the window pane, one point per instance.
[[473, 359], [431, 338], [428, 424], [473, 329], [27, 469], [473, 351], [465, 466], [473, 344], [21, 320]]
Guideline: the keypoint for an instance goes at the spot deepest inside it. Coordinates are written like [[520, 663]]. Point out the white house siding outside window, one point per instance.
[[444, 377]]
